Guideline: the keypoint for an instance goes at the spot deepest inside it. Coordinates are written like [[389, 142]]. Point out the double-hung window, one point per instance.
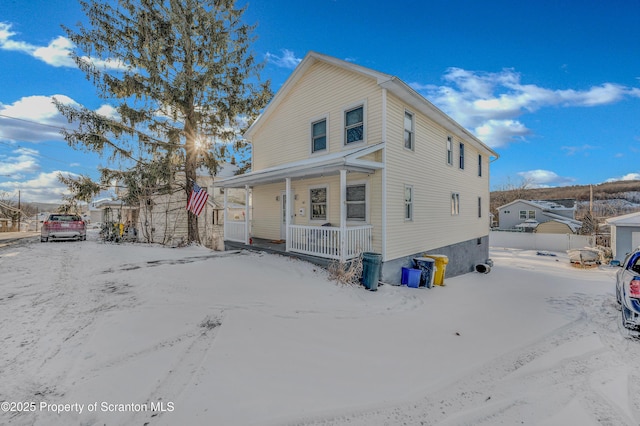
[[480, 165], [319, 135], [354, 125], [449, 150], [408, 202], [408, 130], [318, 198], [461, 155], [455, 204], [357, 202]]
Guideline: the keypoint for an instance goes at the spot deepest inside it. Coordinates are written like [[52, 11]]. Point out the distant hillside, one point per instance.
[[609, 199]]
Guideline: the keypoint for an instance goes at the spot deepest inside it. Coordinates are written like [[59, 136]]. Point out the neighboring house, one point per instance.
[[347, 159], [625, 234], [109, 210], [163, 218], [529, 215]]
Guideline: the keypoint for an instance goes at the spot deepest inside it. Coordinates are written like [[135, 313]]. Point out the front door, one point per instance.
[[283, 215]]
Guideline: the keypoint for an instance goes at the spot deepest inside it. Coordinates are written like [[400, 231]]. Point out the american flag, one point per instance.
[[197, 200]]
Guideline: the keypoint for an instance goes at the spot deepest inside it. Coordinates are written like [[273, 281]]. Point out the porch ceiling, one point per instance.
[[325, 165]]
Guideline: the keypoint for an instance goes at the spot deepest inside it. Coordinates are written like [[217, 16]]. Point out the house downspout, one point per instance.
[[247, 234], [224, 213], [383, 229], [288, 213], [343, 214]]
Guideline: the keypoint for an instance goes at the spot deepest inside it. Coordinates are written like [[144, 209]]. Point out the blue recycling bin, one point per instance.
[[411, 277], [428, 267], [371, 263]]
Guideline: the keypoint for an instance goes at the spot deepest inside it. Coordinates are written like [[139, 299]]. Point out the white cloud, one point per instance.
[[287, 60], [57, 53], [36, 119], [44, 188], [628, 176], [490, 104], [544, 178], [21, 161], [573, 150]]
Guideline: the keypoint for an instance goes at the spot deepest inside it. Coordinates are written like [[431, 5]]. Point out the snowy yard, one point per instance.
[[95, 333]]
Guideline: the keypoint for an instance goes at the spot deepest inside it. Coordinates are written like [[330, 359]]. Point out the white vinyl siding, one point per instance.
[[433, 180]]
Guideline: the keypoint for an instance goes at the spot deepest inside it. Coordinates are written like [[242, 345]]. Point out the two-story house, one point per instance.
[[347, 159], [558, 216]]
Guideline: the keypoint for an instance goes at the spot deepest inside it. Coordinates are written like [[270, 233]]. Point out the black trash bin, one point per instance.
[[371, 263]]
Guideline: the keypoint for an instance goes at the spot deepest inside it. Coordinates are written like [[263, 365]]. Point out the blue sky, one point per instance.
[[552, 86]]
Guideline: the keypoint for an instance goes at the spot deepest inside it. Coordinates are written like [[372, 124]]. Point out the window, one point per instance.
[[479, 206], [479, 165], [408, 130], [449, 151], [319, 136], [524, 214], [356, 202], [461, 155], [408, 202], [354, 125], [455, 204], [318, 198]]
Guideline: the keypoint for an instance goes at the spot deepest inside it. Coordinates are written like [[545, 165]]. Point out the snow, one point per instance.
[[240, 338]]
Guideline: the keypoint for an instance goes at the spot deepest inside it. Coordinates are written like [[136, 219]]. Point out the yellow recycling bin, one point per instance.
[[441, 265]]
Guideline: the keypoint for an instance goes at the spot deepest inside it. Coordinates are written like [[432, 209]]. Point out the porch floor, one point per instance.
[[275, 247]]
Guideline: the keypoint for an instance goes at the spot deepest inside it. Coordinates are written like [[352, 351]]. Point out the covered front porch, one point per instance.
[[341, 240]]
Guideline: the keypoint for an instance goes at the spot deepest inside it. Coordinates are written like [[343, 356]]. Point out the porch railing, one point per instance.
[[235, 231], [325, 241]]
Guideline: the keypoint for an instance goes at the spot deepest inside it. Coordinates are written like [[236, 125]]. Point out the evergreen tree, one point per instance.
[[182, 76]]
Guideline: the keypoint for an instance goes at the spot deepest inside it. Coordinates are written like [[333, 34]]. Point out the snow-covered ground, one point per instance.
[[94, 333]]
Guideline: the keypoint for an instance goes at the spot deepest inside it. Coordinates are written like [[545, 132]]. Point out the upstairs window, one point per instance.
[[479, 165], [319, 136], [357, 202], [461, 156], [408, 202], [408, 130], [479, 206], [318, 198], [455, 204], [354, 125], [449, 151]]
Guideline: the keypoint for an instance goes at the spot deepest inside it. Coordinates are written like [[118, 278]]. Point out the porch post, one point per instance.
[[224, 214], [343, 214], [288, 213], [246, 215]]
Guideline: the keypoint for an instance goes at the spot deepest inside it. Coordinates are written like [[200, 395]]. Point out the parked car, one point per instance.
[[63, 227], [628, 290]]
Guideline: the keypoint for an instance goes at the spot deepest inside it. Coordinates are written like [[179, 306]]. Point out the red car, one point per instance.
[[63, 227]]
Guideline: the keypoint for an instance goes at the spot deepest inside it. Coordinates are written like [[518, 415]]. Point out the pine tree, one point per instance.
[[182, 76]]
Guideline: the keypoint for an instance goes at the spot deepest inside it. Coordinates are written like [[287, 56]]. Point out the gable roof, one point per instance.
[[631, 219], [546, 206], [385, 81]]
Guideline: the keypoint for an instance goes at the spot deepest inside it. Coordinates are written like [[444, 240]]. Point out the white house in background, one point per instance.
[[163, 218], [528, 215], [347, 159], [625, 234]]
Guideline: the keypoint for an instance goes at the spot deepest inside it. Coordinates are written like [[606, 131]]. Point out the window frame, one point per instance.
[[412, 131], [312, 123], [326, 203], [347, 109], [461, 156], [449, 147], [366, 202], [455, 204], [479, 207], [408, 204], [479, 165], [522, 214]]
